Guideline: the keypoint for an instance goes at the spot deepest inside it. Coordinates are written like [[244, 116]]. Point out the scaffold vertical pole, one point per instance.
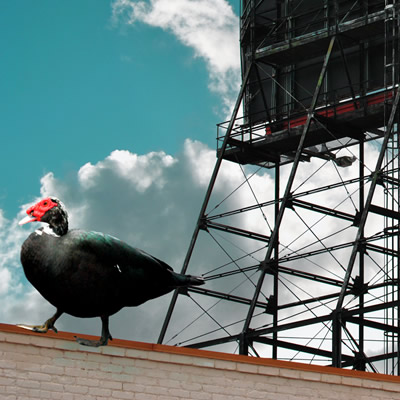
[[274, 237], [336, 345], [206, 201]]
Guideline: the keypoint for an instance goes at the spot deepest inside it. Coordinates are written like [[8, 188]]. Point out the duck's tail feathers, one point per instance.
[[189, 280], [195, 280], [184, 281]]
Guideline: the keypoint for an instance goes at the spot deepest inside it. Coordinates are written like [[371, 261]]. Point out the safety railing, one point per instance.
[[253, 128]]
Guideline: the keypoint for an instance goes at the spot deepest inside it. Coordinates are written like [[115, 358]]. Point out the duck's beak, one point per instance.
[[28, 218]]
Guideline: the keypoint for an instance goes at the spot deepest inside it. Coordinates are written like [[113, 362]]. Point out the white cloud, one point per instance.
[[209, 27], [19, 301], [5, 280], [10, 239], [139, 171]]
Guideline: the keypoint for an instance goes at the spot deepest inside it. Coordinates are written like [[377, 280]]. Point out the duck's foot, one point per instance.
[[93, 343], [49, 324], [105, 336], [38, 328]]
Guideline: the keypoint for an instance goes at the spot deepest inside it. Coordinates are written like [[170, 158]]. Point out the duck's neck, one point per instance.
[[60, 229], [59, 223]]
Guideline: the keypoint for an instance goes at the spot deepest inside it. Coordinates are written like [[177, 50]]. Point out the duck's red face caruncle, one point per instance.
[[36, 212]]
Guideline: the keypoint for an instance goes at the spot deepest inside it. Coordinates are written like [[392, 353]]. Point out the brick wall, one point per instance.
[[53, 366]]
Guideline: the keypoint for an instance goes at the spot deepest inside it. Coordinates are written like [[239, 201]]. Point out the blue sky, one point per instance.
[[78, 83]]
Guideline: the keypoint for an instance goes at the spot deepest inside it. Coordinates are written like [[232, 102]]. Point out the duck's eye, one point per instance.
[[45, 203]]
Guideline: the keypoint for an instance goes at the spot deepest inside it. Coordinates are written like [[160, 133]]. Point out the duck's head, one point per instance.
[[51, 211]]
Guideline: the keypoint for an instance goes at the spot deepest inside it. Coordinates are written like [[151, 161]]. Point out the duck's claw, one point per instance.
[[33, 328], [40, 328], [29, 327]]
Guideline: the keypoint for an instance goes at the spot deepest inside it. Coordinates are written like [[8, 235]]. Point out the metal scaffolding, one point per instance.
[[304, 268]]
